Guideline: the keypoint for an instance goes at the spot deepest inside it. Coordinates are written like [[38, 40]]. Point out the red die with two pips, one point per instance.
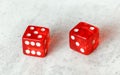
[[84, 38], [35, 41]]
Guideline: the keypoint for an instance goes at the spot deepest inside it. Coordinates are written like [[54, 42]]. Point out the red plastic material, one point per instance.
[[84, 38], [35, 41]]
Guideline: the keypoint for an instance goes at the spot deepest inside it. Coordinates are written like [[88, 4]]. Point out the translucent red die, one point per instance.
[[35, 41], [84, 38]]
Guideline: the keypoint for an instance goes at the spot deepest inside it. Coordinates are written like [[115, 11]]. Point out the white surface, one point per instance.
[[60, 16]]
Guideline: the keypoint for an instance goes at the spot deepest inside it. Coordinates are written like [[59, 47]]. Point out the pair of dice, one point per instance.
[[83, 38]]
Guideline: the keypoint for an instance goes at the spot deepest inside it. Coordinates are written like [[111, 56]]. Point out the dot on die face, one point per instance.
[[32, 43], [28, 34], [39, 36], [27, 42], [33, 52], [32, 28], [45, 41], [93, 42], [82, 50], [45, 50], [38, 53], [92, 28], [35, 32], [38, 44], [76, 30], [43, 29], [27, 51], [77, 44], [72, 37]]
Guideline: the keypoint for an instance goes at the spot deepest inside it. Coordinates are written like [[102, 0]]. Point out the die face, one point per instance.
[[84, 30], [87, 35], [47, 43], [93, 41], [34, 41], [36, 32], [35, 47], [77, 43]]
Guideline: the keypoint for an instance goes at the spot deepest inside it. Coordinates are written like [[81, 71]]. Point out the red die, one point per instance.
[[84, 38], [35, 41]]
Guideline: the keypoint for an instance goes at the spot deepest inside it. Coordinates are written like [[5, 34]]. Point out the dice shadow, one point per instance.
[[107, 32], [58, 37], [102, 55]]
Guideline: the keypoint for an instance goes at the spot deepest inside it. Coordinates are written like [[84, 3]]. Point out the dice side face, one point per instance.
[[47, 43], [35, 32], [93, 41], [33, 47], [33, 41], [78, 43], [85, 36]]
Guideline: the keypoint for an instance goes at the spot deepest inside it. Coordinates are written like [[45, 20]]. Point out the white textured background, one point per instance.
[[60, 16]]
